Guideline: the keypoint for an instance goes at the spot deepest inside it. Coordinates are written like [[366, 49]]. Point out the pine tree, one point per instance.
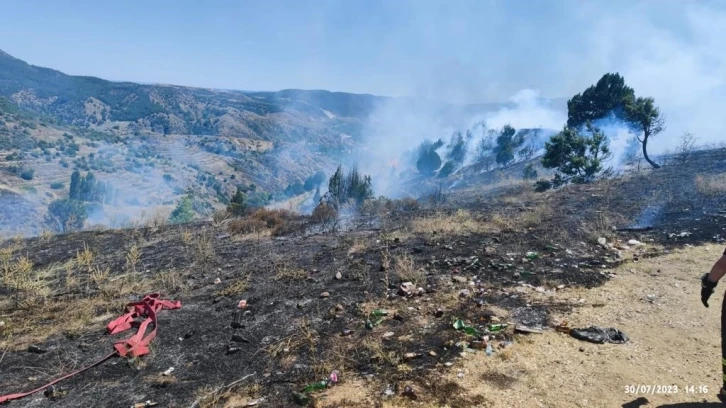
[[183, 213], [88, 187], [237, 204], [75, 190], [336, 188]]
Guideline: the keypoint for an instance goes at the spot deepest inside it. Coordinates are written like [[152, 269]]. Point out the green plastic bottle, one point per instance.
[[379, 312]]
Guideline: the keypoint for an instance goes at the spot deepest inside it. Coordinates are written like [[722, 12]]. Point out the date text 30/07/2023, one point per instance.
[[645, 389]]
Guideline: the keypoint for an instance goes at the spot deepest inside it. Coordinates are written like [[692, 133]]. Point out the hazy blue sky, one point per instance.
[[462, 50]]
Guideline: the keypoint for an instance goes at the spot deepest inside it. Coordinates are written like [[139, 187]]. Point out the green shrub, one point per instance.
[[183, 213], [27, 174]]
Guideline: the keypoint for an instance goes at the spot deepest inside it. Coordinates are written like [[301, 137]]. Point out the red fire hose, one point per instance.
[[136, 345]]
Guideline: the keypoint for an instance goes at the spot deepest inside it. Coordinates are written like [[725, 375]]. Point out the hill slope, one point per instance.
[[133, 135], [515, 257], [154, 143]]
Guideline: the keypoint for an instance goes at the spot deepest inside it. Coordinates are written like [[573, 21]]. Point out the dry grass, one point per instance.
[[85, 258], [170, 282], [379, 353], [99, 275], [203, 248], [132, 258], [235, 288], [536, 216], [46, 235], [245, 226], [157, 219], [406, 270], [599, 227], [711, 185], [219, 217], [461, 222], [287, 273], [277, 222], [29, 287], [186, 237], [358, 246], [208, 397]]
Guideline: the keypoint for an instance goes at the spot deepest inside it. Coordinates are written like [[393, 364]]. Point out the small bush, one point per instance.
[[530, 173], [375, 207], [406, 270], [245, 226], [446, 170], [542, 185], [278, 222], [238, 204], [27, 174], [325, 215], [183, 213], [407, 204], [67, 215]]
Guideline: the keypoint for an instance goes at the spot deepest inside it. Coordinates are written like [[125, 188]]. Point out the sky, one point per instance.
[[461, 51]]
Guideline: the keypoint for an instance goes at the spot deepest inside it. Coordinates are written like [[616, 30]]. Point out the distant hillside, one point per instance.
[[155, 143], [135, 108]]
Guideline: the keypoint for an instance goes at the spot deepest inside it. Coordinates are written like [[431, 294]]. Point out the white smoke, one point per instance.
[[682, 65], [529, 111], [398, 126]]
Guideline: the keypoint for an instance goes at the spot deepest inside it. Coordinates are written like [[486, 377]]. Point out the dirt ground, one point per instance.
[[674, 342]]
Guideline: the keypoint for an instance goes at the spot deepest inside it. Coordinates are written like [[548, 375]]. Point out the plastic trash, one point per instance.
[[599, 335], [334, 376], [489, 350], [379, 312], [532, 255], [520, 328], [409, 392], [146, 404], [255, 402]]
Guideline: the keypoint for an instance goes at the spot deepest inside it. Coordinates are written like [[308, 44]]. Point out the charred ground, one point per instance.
[[468, 251]]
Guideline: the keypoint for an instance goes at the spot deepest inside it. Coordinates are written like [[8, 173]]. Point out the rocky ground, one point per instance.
[[481, 256]]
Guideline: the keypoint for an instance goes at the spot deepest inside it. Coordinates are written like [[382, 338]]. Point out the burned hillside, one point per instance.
[[379, 302]]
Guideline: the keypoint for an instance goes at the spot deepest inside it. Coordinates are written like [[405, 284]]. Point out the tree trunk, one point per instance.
[[645, 152]]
